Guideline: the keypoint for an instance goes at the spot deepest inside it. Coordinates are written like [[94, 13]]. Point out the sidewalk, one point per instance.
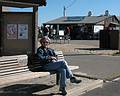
[[80, 47], [45, 86]]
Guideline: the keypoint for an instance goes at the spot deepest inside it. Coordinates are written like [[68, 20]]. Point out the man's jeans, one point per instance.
[[63, 69]]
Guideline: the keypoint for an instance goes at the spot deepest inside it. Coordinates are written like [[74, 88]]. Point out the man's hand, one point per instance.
[[52, 58]]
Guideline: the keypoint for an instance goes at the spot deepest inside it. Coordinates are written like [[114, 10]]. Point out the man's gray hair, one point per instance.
[[45, 38]]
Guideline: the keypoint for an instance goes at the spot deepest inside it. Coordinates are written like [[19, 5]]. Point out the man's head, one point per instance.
[[45, 41]]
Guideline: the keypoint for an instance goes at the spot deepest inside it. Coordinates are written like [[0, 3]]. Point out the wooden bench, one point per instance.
[[15, 68], [35, 66]]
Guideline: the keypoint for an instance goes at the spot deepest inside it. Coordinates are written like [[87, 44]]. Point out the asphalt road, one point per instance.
[[98, 66], [104, 67], [108, 89]]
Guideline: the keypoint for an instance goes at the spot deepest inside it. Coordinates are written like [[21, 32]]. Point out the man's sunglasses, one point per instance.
[[45, 42]]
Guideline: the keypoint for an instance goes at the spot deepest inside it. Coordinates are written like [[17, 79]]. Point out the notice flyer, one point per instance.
[[22, 31], [11, 31]]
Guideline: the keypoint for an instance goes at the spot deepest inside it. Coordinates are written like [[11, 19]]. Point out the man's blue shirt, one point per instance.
[[44, 53]]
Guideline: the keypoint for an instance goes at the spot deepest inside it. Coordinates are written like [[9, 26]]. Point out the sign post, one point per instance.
[[0, 28], [35, 30]]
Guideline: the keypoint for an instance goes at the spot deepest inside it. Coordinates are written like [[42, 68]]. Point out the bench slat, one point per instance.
[[59, 54], [8, 65], [14, 72], [8, 62], [8, 59], [10, 70]]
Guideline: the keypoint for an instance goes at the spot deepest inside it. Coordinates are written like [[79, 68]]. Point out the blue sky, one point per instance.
[[54, 8]]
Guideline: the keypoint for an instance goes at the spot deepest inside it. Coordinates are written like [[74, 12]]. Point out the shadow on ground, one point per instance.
[[24, 89]]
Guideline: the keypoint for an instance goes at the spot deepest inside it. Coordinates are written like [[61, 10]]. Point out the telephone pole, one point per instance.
[[64, 11], [66, 7]]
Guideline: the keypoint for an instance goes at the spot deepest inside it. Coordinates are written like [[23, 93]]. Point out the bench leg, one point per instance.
[[57, 78]]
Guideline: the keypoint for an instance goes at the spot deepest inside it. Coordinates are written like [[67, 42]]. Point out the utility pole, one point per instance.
[[0, 29], [66, 7], [119, 34], [64, 11]]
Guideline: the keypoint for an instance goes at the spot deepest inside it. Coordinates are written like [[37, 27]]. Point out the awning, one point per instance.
[[114, 24], [17, 4]]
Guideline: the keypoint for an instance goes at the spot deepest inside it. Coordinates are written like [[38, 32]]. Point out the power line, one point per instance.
[[72, 3], [66, 7]]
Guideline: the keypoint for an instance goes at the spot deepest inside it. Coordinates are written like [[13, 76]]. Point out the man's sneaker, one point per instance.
[[74, 80], [63, 90]]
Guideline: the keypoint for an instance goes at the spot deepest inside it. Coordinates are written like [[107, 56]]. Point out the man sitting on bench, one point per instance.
[[49, 60]]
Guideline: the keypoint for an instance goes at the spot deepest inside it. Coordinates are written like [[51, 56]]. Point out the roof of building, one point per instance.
[[13, 3], [118, 17], [78, 20]]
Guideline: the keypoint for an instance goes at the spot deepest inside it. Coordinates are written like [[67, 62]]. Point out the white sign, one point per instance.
[[22, 31], [97, 28], [61, 32]]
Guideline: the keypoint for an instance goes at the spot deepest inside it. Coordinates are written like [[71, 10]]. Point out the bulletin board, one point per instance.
[[17, 33]]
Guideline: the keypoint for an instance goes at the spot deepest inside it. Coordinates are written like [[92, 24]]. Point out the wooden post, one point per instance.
[[57, 32], [0, 30], [35, 30]]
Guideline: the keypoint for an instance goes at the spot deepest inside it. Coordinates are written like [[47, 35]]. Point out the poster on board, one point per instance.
[[22, 31], [11, 31]]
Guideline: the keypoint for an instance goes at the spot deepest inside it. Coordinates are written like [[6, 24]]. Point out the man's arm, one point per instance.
[[41, 55]]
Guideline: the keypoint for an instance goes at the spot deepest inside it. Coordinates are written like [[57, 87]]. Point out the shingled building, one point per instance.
[[84, 27]]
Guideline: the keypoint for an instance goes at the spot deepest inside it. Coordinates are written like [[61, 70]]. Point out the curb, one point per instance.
[[74, 54], [86, 85], [85, 88], [72, 89]]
